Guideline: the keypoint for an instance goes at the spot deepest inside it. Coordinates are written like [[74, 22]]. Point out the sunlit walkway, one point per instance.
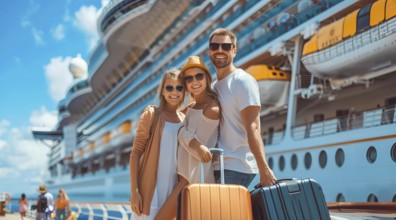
[[14, 216]]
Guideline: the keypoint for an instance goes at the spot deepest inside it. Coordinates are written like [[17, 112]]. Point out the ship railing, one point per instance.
[[204, 40], [93, 210], [105, 211], [191, 50], [354, 120], [296, 19], [274, 138], [367, 37], [110, 16], [265, 20]]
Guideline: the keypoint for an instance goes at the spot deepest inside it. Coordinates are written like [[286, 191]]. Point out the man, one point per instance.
[[44, 204], [239, 96]]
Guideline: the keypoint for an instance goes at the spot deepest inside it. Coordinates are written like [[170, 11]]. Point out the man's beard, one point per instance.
[[221, 64]]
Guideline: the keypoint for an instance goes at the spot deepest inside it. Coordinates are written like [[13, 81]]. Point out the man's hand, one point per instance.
[[268, 179]]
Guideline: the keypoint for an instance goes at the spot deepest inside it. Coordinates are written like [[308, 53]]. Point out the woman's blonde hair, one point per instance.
[[64, 194], [170, 74]]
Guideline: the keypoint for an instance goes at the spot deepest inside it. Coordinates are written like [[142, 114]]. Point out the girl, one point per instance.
[[200, 131], [23, 205], [62, 205], [153, 157]]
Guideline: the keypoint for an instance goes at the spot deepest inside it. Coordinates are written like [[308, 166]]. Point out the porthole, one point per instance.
[[294, 162], [372, 198], [371, 154], [270, 162], [307, 160], [340, 197], [394, 198], [393, 152], [322, 159], [281, 163], [339, 157]]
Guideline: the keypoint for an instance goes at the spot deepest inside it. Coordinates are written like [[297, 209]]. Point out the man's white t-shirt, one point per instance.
[[236, 92], [50, 202]]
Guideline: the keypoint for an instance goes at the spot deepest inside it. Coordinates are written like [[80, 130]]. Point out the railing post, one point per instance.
[[123, 212], [104, 210], [91, 212]]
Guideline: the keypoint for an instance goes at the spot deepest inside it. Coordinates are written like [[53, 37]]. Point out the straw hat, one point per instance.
[[195, 61], [42, 189]]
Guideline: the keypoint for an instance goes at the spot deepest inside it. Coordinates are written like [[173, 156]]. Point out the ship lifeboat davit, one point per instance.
[[361, 44], [273, 84]]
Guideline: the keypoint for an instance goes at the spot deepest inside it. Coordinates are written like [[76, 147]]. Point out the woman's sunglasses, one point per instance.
[[216, 46], [171, 88], [198, 77]]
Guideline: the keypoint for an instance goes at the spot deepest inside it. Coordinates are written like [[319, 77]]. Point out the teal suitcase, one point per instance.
[[290, 199]]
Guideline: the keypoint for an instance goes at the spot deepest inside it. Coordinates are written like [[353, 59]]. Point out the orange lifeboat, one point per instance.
[[361, 44], [273, 84]]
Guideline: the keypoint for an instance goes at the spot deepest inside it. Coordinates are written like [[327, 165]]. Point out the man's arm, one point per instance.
[[251, 121]]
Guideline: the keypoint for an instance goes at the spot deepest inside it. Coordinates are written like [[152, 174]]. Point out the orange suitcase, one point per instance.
[[215, 201]]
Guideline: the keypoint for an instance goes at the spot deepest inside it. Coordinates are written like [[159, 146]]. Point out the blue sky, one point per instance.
[[38, 40]]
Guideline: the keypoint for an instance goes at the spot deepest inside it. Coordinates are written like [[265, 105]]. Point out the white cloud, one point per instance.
[[58, 77], [58, 33], [66, 16], [25, 23], [38, 36], [32, 9], [3, 126], [85, 19], [43, 118], [2, 144], [23, 161], [27, 153]]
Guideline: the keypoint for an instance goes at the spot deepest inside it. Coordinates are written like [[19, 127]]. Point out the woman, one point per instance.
[[153, 175], [199, 132], [62, 205], [23, 205]]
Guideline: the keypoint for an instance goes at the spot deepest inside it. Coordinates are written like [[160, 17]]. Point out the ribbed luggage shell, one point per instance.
[[290, 199], [200, 201], [215, 202]]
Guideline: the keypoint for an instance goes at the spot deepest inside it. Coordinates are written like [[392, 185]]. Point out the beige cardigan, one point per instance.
[[147, 172]]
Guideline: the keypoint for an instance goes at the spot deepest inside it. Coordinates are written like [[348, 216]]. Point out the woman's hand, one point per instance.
[[204, 153], [136, 203]]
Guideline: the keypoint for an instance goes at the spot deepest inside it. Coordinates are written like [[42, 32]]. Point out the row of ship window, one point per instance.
[[371, 156], [370, 198]]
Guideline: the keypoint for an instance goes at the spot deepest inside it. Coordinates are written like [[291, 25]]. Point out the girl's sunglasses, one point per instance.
[[198, 77], [171, 88], [216, 46]]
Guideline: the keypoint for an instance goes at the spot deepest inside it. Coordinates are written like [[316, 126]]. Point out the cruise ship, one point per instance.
[[325, 68]]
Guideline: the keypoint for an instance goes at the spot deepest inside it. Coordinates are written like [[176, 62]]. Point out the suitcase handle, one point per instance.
[[221, 154], [285, 180], [258, 185]]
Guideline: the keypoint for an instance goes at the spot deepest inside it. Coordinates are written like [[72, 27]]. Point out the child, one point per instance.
[[23, 205]]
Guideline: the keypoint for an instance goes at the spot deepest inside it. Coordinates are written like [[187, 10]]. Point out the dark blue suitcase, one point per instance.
[[290, 199]]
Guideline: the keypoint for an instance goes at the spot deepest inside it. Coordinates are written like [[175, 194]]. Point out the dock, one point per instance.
[[14, 216]]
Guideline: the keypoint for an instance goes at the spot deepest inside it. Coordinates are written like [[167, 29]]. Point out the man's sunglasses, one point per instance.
[[198, 77], [216, 46], [171, 88]]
